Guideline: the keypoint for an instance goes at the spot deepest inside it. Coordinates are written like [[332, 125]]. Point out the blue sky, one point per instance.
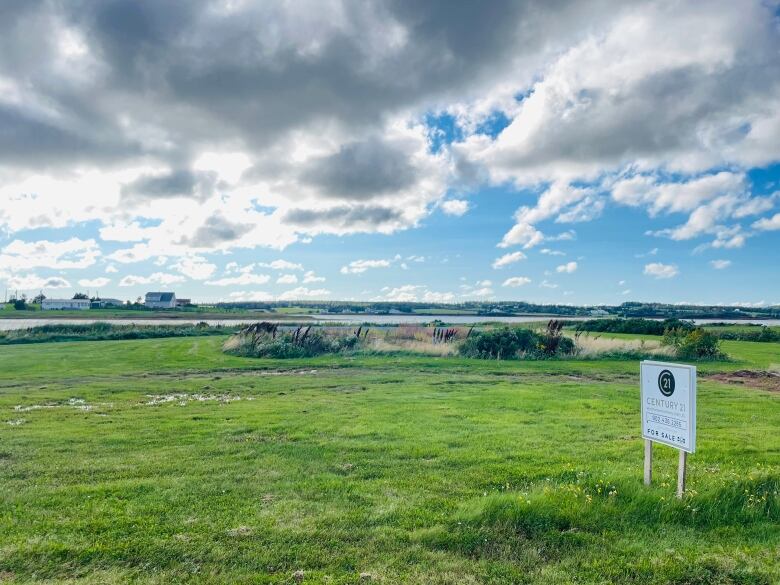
[[378, 153]]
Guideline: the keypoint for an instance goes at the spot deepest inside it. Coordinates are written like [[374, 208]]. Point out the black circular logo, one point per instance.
[[666, 383]]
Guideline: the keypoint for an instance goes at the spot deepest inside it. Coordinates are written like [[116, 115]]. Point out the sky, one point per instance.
[[554, 152]]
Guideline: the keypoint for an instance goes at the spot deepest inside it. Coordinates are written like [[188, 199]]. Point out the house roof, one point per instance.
[[160, 296]]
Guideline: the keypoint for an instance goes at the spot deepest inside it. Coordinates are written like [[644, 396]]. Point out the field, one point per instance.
[[8, 312], [167, 461]]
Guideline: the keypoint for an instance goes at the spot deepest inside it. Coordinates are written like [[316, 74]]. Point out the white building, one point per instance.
[[160, 300], [65, 304]]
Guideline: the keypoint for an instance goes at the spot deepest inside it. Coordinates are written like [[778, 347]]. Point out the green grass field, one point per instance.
[[167, 461]]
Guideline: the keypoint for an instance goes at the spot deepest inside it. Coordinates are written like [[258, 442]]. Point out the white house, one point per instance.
[[160, 300], [65, 304]]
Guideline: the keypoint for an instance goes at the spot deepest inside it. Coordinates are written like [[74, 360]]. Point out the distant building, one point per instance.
[[160, 300], [103, 303], [183, 302], [65, 304], [599, 313]]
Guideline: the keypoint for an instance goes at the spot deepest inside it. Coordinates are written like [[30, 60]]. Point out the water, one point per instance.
[[10, 324]]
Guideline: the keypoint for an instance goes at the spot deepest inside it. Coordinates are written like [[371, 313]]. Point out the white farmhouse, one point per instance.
[[65, 304], [160, 300]]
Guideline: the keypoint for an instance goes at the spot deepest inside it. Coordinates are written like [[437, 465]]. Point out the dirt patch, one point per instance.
[[752, 378]]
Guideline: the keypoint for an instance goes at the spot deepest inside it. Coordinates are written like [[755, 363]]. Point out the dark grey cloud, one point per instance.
[[198, 185], [361, 170], [203, 75], [345, 217], [217, 230]]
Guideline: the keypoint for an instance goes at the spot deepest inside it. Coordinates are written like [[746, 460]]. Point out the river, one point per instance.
[[10, 324]]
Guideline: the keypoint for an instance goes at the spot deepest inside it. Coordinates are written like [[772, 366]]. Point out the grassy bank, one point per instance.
[[107, 331], [165, 460]]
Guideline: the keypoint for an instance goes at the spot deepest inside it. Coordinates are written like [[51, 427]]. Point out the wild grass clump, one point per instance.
[[599, 347], [102, 331], [518, 343], [302, 342], [697, 344]]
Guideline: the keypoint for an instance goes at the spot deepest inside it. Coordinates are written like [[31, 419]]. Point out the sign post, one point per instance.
[[668, 394]]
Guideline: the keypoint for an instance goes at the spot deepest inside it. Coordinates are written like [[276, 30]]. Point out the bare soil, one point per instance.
[[752, 378]]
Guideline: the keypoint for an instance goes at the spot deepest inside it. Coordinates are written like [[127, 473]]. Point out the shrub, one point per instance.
[[20, 304], [516, 343], [761, 334], [638, 326], [693, 345]]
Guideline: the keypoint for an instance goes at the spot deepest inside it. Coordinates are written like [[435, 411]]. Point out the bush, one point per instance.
[[638, 326], [693, 345], [20, 304], [515, 344], [760, 334]]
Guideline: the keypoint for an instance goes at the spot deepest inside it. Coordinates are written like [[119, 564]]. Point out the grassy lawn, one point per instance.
[[166, 461]]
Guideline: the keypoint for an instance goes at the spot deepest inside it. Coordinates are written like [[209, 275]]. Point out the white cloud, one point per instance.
[[359, 266], [195, 267], [720, 264], [549, 252], [768, 223], [522, 234], [311, 277], [406, 293], [250, 296], [68, 254], [281, 265], [111, 269], [29, 282], [119, 231], [438, 297], [455, 207], [303, 292], [508, 259], [480, 292], [243, 279], [626, 292], [547, 284], [94, 282], [568, 268], [162, 278], [659, 270], [516, 281], [287, 279]]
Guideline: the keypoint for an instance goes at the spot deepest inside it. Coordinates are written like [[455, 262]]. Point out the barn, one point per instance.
[[160, 300]]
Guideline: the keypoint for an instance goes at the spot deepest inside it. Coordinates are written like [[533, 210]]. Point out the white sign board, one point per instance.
[[669, 404]]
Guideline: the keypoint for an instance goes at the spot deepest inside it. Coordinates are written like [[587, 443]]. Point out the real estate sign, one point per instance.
[[669, 404]]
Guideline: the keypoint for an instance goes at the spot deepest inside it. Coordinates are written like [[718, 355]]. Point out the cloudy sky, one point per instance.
[[566, 151]]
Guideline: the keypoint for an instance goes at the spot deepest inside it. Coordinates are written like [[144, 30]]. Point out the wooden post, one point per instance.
[[681, 469], [648, 461]]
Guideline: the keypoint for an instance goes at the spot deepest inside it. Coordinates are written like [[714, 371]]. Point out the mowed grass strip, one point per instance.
[[162, 461]]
